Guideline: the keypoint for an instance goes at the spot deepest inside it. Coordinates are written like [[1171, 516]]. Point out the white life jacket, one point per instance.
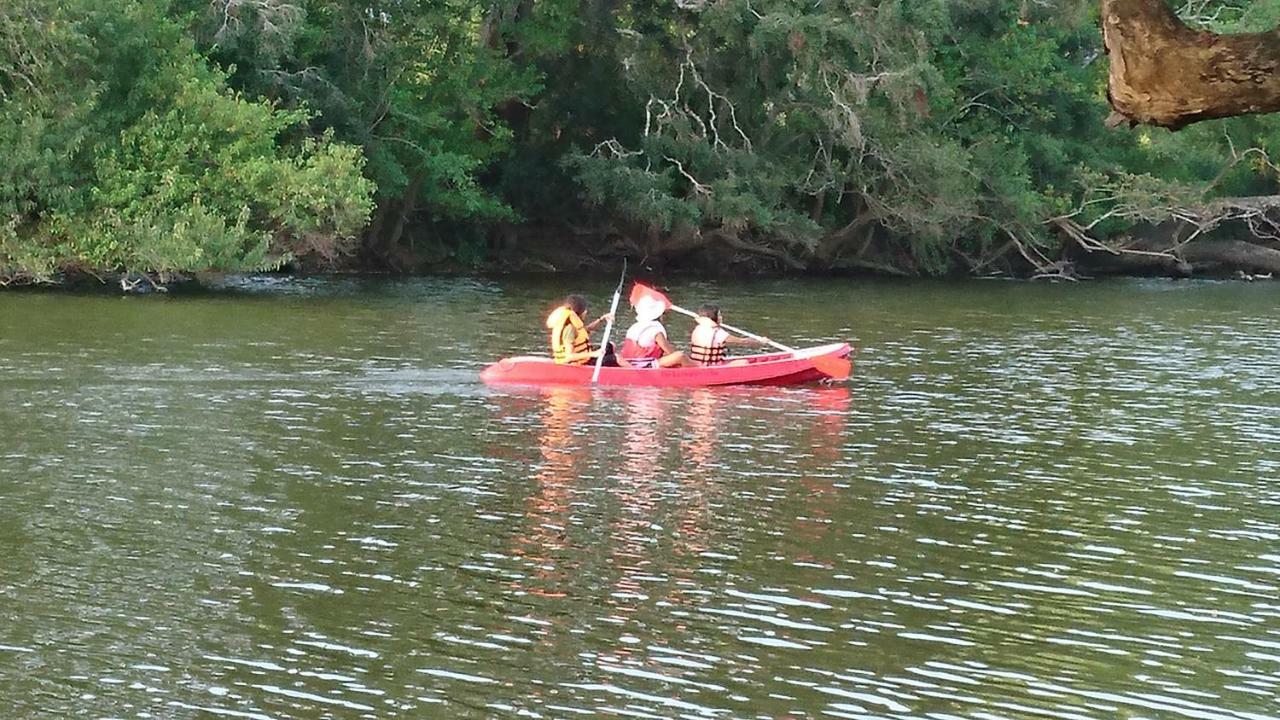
[[641, 341], [706, 344]]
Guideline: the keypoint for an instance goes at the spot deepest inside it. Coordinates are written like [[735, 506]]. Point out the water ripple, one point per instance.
[[297, 500]]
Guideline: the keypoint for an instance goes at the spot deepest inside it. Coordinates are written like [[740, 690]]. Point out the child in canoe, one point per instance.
[[570, 334], [708, 341], [646, 344]]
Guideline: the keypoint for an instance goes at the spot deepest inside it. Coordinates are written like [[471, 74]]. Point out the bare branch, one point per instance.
[[1045, 269], [613, 148], [275, 19], [698, 188]]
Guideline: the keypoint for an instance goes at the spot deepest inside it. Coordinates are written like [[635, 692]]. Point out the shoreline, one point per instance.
[[119, 284]]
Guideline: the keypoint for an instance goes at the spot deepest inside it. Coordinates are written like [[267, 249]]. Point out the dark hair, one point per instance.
[[709, 310], [576, 303]]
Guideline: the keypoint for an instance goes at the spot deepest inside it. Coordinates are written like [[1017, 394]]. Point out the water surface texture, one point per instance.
[[294, 499]]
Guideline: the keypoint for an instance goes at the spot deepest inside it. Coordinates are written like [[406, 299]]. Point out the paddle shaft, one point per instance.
[[608, 325], [740, 331]]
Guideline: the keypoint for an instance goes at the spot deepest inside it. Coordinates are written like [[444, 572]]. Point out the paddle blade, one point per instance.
[[836, 368], [641, 293]]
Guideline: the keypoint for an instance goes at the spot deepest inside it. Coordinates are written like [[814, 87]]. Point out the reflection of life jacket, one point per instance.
[[557, 321], [641, 342], [706, 345]]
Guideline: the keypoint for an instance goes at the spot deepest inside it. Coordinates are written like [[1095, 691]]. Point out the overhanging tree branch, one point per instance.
[[1167, 74]]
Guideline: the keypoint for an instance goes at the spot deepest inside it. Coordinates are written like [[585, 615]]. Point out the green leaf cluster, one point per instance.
[[942, 128], [125, 150]]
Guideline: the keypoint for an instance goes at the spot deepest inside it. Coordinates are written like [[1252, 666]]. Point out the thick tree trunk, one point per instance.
[[1161, 250], [733, 241], [830, 246], [388, 227], [1233, 256], [402, 218], [1164, 73]]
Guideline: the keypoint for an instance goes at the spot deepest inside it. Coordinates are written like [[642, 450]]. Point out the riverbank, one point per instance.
[[1151, 252]]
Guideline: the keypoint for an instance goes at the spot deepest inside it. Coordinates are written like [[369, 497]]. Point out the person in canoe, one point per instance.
[[646, 344], [708, 341], [570, 333]]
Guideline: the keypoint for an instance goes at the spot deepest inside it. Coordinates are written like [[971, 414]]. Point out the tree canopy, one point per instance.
[[125, 149], [911, 137]]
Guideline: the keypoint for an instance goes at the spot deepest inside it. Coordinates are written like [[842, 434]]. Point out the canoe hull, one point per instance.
[[770, 369]]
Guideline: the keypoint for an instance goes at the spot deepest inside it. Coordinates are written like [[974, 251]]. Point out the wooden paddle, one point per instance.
[[836, 368]]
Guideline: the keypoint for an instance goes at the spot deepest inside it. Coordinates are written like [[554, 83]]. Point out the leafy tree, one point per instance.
[[418, 84], [838, 132], [130, 154], [914, 137]]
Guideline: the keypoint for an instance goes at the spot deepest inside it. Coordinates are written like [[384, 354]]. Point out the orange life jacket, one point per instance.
[[557, 321], [706, 344]]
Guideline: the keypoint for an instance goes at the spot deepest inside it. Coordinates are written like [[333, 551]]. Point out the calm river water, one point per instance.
[[294, 499]]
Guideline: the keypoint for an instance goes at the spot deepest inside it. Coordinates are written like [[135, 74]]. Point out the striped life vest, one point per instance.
[[706, 344], [558, 321]]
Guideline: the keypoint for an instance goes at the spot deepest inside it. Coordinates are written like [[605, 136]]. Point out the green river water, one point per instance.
[[293, 498]]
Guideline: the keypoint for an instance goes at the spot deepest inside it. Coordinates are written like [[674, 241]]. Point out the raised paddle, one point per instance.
[[608, 325], [740, 331]]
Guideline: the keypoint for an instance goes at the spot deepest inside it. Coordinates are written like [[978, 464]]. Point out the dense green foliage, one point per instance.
[[125, 150], [910, 136], [914, 136]]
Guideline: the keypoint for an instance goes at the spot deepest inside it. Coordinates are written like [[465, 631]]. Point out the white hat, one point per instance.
[[649, 309]]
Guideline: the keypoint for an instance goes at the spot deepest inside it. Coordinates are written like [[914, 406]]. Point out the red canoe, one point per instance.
[[771, 369]]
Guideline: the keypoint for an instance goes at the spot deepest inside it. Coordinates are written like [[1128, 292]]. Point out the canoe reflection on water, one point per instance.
[[645, 480], [547, 508]]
